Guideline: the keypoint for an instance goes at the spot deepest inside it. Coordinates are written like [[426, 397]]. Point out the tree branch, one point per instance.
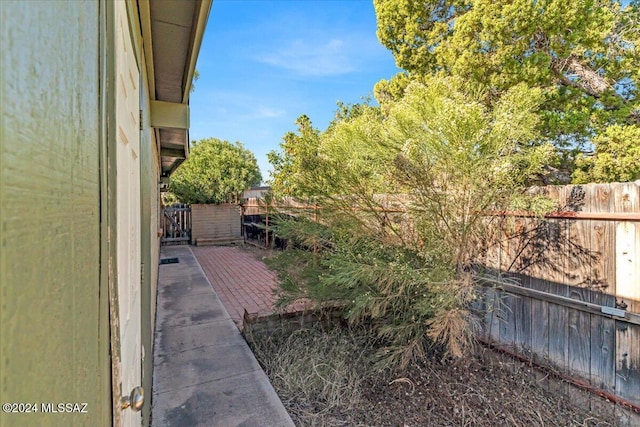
[[589, 80]]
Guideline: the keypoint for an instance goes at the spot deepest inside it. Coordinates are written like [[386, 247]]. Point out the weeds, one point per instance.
[[318, 374], [325, 377]]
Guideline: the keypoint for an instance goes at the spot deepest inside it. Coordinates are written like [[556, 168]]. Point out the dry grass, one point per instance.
[[317, 374], [326, 378]]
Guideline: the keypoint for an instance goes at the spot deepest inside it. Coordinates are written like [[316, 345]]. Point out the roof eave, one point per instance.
[[172, 32]]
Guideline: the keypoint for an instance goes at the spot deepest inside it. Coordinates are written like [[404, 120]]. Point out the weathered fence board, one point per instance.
[[628, 264], [628, 361], [522, 317], [602, 364], [579, 349], [539, 323], [568, 333], [494, 313]]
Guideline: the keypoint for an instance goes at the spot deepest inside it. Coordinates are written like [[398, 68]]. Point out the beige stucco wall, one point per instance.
[[50, 210]]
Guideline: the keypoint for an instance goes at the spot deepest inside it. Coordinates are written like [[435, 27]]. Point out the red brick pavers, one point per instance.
[[241, 281]]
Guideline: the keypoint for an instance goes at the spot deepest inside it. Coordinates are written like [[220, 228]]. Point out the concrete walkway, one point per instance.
[[204, 372]]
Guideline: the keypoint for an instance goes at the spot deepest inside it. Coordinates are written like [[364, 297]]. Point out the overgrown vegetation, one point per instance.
[[319, 375], [409, 272], [617, 157], [496, 96], [215, 172], [325, 378]]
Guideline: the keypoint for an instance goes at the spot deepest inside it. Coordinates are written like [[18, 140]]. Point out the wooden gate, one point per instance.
[[176, 225]]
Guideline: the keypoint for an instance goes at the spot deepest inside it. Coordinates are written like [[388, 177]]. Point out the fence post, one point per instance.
[[266, 234], [315, 219], [244, 235]]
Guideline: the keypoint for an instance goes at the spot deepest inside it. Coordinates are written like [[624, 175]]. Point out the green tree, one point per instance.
[[616, 157], [404, 263], [294, 165], [300, 168], [583, 54], [391, 90], [215, 172]]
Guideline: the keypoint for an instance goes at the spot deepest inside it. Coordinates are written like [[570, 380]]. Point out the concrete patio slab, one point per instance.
[[193, 367], [204, 372], [188, 287], [191, 337], [248, 401], [183, 310]]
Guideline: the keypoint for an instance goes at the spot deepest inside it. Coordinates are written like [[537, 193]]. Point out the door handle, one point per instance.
[[135, 400]]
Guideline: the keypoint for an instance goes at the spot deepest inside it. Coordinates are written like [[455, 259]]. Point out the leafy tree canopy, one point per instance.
[[583, 54], [617, 157], [298, 157], [215, 172]]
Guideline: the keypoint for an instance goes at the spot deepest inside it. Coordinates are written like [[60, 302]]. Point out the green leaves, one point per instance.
[[584, 55], [616, 157], [295, 167], [403, 195], [215, 172]]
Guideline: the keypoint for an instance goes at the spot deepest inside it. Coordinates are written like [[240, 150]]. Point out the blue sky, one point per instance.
[[263, 63]]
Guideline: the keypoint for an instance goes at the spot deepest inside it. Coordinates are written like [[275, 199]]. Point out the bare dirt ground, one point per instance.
[[257, 252], [326, 378]]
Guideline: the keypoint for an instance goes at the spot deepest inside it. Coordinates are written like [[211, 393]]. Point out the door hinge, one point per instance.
[[141, 120]]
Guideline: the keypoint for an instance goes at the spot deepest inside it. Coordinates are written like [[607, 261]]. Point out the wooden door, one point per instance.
[[126, 324]]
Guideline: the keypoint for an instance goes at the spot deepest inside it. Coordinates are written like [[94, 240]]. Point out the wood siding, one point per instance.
[[50, 137]]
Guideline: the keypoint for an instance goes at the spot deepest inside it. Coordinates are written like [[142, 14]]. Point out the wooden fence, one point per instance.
[[591, 242], [176, 225], [257, 215], [571, 298], [575, 331]]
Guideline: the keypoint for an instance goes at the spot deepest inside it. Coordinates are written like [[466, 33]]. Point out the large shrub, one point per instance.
[[412, 274]]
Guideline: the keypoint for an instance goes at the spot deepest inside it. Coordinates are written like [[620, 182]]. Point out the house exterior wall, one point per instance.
[[150, 244], [155, 232], [52, 322], [59, 199]]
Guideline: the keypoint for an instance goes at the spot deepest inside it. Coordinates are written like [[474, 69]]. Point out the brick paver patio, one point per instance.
[[241, 281]]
